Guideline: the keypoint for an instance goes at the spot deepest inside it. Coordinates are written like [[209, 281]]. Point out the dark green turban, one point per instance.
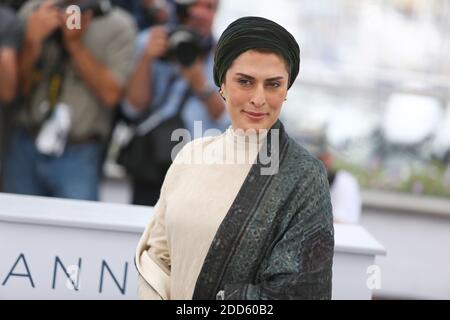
[[255, 33]]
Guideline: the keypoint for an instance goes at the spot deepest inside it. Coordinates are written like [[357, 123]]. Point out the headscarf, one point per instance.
[[255, 33]]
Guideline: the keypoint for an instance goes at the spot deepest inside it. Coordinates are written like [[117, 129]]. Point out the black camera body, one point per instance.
[[184, 45], [98, 7], [15, 5]]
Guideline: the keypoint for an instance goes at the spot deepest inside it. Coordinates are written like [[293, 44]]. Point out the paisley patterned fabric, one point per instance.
[[277, 239]]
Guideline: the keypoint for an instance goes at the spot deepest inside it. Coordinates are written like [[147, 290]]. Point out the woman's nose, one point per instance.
[[259, 98]]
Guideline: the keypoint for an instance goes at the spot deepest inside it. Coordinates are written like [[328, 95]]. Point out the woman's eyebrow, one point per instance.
[[245, 75], [252, 78], [275, 78]]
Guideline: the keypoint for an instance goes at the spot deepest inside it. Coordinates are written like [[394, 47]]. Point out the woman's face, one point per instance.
[[255, 88]]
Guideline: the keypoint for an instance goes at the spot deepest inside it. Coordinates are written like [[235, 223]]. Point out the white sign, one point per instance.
[[66, 249]]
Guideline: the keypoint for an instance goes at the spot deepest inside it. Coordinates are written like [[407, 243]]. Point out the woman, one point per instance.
[[247, 214]]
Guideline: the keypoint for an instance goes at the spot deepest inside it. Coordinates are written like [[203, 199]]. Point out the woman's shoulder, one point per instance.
[[302, 161], [310, 178]]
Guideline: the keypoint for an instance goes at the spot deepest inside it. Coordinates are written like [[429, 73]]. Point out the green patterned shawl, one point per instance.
[[277, 239]]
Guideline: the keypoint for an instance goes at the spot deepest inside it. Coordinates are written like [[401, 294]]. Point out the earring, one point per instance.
[[285, 99], [221, 94]]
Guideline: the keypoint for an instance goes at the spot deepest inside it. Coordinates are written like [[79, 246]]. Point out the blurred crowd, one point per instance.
[[70, 75]]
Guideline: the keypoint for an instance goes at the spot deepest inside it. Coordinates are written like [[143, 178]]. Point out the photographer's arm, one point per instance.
[[8, 74], [97, 76], [139, 90], [27, 59], [10, 42], [195, 76], [40, 24]]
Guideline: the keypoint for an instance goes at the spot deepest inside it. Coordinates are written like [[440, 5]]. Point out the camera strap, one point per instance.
[[54, 78], [159, 115], [57, 77], [54, 89]]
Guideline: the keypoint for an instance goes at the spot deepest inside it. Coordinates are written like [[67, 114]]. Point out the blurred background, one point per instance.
[[375, 84], [375, 79], [374, 90]]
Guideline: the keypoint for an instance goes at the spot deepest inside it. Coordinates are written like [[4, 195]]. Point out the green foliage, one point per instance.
[[431, 180]]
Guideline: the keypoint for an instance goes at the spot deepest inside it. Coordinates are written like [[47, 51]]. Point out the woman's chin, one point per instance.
[[263, 124], [251, 126]]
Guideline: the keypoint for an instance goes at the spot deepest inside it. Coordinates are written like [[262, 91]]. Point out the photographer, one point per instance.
[[175, 76], [71, 78], [147, 13], [344, 188], [10, 40]]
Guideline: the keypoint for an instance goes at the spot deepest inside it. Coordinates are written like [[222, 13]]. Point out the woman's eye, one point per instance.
[[244, 81], [274, 84]]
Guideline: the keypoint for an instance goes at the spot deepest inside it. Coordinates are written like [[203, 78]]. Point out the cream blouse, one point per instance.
[[197, 193]]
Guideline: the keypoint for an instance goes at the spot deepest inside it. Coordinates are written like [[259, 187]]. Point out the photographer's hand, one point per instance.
[[195, 76], [72, 37], [157, 44], [43, 22]]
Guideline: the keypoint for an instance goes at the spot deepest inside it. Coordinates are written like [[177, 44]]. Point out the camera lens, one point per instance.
[[186, 53], [184, 46]]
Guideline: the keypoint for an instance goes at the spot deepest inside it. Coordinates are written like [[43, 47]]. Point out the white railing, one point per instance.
[[66, 249]]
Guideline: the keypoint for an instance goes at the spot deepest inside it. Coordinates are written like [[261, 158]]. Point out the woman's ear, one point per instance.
[[222, 92]]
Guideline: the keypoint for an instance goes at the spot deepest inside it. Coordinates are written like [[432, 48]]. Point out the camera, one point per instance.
[[184, 45], [98, 7], [15, 5]]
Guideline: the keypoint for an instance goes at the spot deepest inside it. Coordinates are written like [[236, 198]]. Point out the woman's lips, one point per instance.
[[255, 115]]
